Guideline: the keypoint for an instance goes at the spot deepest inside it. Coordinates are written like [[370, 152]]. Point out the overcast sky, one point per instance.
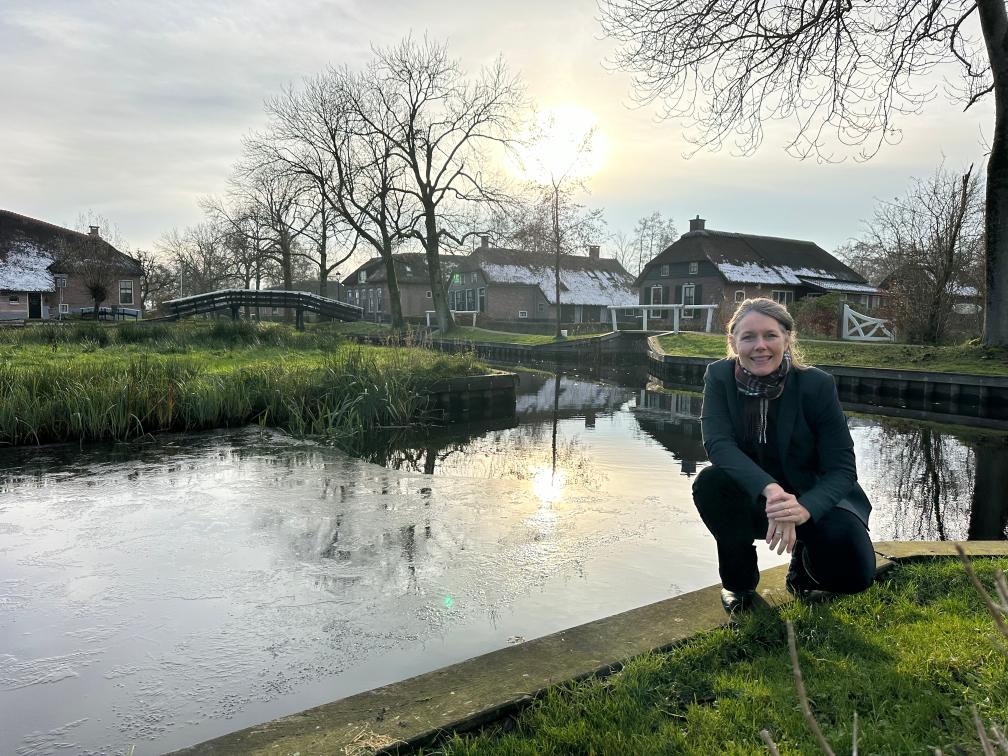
[[135, 109]]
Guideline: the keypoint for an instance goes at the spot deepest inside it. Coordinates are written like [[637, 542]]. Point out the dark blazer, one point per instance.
[[815, 446]]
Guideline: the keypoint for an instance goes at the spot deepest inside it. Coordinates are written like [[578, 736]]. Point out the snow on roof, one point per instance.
[[962, 290], [833, 285], [26, 268], [583, 287]]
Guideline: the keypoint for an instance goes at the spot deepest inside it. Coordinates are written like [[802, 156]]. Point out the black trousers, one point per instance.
[[838, 553]]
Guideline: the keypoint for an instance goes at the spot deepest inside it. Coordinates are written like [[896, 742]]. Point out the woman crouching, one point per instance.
[[782, 465]]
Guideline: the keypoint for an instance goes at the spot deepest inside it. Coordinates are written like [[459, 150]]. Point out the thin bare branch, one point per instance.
[[810, 719], [771, 746]]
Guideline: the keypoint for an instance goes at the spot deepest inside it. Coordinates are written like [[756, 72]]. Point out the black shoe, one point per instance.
[[799, 582], [735, 602]]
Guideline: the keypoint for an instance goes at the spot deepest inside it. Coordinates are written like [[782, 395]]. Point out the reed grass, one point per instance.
[[89, 382]]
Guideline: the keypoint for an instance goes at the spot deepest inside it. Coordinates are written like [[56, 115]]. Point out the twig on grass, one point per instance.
[[985, 743], [768, 739], [997, 611], [802, 695]]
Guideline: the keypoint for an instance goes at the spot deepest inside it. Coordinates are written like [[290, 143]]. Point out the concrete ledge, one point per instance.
[[466, 695]]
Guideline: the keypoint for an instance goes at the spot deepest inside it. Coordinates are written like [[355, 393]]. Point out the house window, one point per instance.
[[60, 282], [14, 299], [470, 299], [656, 298], [472, 279], [275, 311], [782, 296], [427, 294], [694, 268], [125, 292], [739, 295], [380, 297], [664, 271], [362, 276], [522, 313], [456, 278], [482, 299], [688, 292], [541, 307], [64, 308]]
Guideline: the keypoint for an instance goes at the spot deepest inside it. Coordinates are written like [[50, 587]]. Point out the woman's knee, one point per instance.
[[713, 487]]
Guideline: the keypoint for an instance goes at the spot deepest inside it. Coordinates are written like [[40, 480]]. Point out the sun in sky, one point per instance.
[[559, 141]]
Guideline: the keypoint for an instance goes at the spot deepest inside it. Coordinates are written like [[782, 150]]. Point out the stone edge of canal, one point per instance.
[[464, 696]]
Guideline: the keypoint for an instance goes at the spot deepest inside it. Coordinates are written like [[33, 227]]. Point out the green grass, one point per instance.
[[468, 333], [966, 358], [909, 656], [121, 382]]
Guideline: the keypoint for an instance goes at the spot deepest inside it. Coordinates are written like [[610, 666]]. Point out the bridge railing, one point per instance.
[[677, 310], [234, 299]]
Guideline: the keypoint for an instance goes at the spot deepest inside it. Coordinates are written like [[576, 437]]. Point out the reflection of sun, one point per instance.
[[561, 140], [547, 485]]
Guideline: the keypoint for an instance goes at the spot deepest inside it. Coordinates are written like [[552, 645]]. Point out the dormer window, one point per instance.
[[694, 268], [362, 276], [664, 271]]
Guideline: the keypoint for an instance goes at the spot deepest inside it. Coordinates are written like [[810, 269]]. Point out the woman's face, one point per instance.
[[760, 342]]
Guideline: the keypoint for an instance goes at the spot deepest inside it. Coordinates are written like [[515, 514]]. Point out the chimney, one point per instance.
[[94, 232], [593, 251], [697, 224], [484, 241]]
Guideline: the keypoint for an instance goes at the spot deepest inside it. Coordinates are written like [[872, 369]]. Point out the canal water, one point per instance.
[[156, 594]]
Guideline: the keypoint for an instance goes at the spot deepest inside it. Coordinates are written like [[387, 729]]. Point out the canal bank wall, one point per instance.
[[957, 398], [404, 716]]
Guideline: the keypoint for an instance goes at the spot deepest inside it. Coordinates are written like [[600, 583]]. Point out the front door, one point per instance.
[[34, 306]]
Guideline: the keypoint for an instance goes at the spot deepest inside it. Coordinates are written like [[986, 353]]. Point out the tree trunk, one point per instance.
[[556, 246], [994, 24], [444, 317], [285, 269], [395, 305]]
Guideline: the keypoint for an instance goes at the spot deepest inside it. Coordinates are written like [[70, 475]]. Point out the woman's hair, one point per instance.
[[773, 310]]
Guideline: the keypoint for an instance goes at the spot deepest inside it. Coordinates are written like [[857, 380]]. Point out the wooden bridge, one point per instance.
[[235, 299]]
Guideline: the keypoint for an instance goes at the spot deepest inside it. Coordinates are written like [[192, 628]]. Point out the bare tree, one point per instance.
[[841, 71], [327, 133], [201, 257], [527, 222], [158, 278], [96, 266], [652, 234], [439, 124], [929, 244]]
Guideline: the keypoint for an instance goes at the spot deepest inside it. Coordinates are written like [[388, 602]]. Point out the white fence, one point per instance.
[[677, 313], [474, 313], [858, 327]]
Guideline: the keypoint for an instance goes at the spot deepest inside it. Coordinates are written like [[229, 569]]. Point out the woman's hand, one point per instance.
[[781, 536], [783, 507]]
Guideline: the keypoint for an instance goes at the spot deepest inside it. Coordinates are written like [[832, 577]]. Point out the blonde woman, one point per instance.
[[782, 465]]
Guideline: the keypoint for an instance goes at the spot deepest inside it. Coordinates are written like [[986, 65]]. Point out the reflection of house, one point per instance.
[[536, 394], [672, 419], [511, 284], [35, 285], [705, 266], [367, 287]]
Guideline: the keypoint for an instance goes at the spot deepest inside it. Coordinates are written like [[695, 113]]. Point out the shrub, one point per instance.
[[817, 316]]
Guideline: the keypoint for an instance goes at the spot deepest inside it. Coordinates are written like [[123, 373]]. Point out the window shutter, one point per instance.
[[665, 295], [698, 294]]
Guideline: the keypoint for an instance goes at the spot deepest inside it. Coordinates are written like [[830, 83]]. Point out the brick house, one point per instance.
[[705, 266], [512, 284], [36, 285], [367, 286]]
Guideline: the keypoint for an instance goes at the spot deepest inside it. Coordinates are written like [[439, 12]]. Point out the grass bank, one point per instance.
[[964, 358], [910, 656], [99, 382]]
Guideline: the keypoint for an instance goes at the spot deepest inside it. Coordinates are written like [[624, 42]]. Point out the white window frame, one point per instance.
[[522, 313], [61, 282], [362, 276], [664, 271], [427, 294], [481, 299], [130, 282], [694, 268], [472, 278], [14, 299], [540, 307], [786, 296], [688, 314], [64, 308], [739, 295]]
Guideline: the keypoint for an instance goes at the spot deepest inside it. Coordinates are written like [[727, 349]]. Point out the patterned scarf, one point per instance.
[[759, 391]]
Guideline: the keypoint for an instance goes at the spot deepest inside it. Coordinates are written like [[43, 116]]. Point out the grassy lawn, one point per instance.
[[118, 382], [468, 333], [945, 359], [909, 656]]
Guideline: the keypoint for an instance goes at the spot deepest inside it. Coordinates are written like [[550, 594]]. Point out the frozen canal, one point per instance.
[[163, 593]]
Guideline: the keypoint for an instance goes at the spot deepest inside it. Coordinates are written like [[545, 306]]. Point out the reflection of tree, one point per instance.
[[927, 477], [989, 512]]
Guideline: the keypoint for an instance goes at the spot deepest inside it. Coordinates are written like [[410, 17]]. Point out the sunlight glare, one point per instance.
[[562, 140]]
